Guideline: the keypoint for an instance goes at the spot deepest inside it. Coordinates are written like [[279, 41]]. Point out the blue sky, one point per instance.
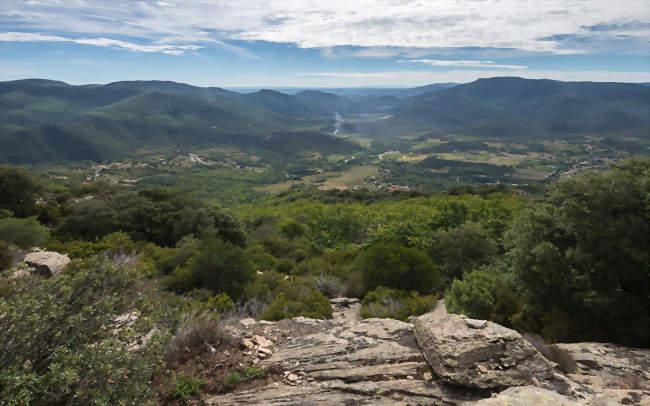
[[309, 43]]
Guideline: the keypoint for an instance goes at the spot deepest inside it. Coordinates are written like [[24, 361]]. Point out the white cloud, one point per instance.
[[101, 42], [465, 63], [551, 26]]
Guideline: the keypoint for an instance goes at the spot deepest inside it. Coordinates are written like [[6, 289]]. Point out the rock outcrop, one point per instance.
[[47, 263], [529, 396], [351, 361], [478, 353], [347, 361]]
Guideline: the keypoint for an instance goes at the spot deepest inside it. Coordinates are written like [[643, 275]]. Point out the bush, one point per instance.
[[233, 379], [6, 256], [180, 280], [186, 385], [264, 285], [395, 304], [461, 249], [20, 191], [299, 298], [193, 335], [25, 233], [58, 344], [222, 267], [563, 358], [329, 285], [393, 265], [486, 294]]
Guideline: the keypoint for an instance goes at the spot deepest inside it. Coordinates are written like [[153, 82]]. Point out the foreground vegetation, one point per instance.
[[569, 263]]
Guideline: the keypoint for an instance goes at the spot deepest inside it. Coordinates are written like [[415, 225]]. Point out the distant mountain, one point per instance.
[[327, 102], [51, 121], [416, 91], [523, 107], [44, 120]]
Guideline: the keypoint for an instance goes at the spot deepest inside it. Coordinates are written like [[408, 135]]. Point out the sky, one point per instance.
[[320, 43]]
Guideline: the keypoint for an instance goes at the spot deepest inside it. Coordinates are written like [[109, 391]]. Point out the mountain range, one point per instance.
[[46, 121]]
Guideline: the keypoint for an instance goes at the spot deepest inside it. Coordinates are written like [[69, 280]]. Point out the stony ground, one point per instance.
[[349, 361]]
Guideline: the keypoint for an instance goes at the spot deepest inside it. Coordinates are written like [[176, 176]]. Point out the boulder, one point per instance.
[[527, 396], [477, 353], [47, 263]]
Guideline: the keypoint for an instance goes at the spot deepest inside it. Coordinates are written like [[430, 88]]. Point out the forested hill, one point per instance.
[[46, 121], [511, 106]]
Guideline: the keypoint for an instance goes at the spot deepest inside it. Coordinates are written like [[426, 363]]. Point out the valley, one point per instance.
[[232, 148]]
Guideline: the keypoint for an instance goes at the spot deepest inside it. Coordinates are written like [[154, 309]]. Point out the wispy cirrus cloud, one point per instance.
[[102, 42], [464, 63], [551, 26]]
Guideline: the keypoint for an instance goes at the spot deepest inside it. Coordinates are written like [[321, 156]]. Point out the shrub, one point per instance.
[[221, 302], [563, 358], [328, 285], [264, 285], [193, 335], [250, 373], [300, 298], [180, 280], [25, 233], [6, 256], [233, 378], [393, 265], [486, 294], [58, 344], [186, 385], [222, 267], [20, 190], [461, 249], [395, 304]]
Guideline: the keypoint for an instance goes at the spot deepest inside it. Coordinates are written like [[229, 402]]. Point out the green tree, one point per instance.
[[461, 249], [25, 233], [393, 265], [19, 190], [583, 250], [222, 267]]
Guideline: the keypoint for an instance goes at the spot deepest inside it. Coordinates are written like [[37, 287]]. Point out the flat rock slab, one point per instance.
[[478, 353], [529, 396], [367, 362]]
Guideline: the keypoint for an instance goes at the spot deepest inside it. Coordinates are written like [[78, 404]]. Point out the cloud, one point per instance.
[[548, 26], [470, 64], [101, 42]]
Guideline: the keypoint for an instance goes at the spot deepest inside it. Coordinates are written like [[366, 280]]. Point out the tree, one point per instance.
[[393, 265], [583, 251], [25, 233], [222, 267], [19, 191], [461, 249]]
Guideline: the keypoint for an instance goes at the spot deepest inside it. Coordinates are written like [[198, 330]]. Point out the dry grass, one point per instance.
[[561, 357], [197, 335]]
